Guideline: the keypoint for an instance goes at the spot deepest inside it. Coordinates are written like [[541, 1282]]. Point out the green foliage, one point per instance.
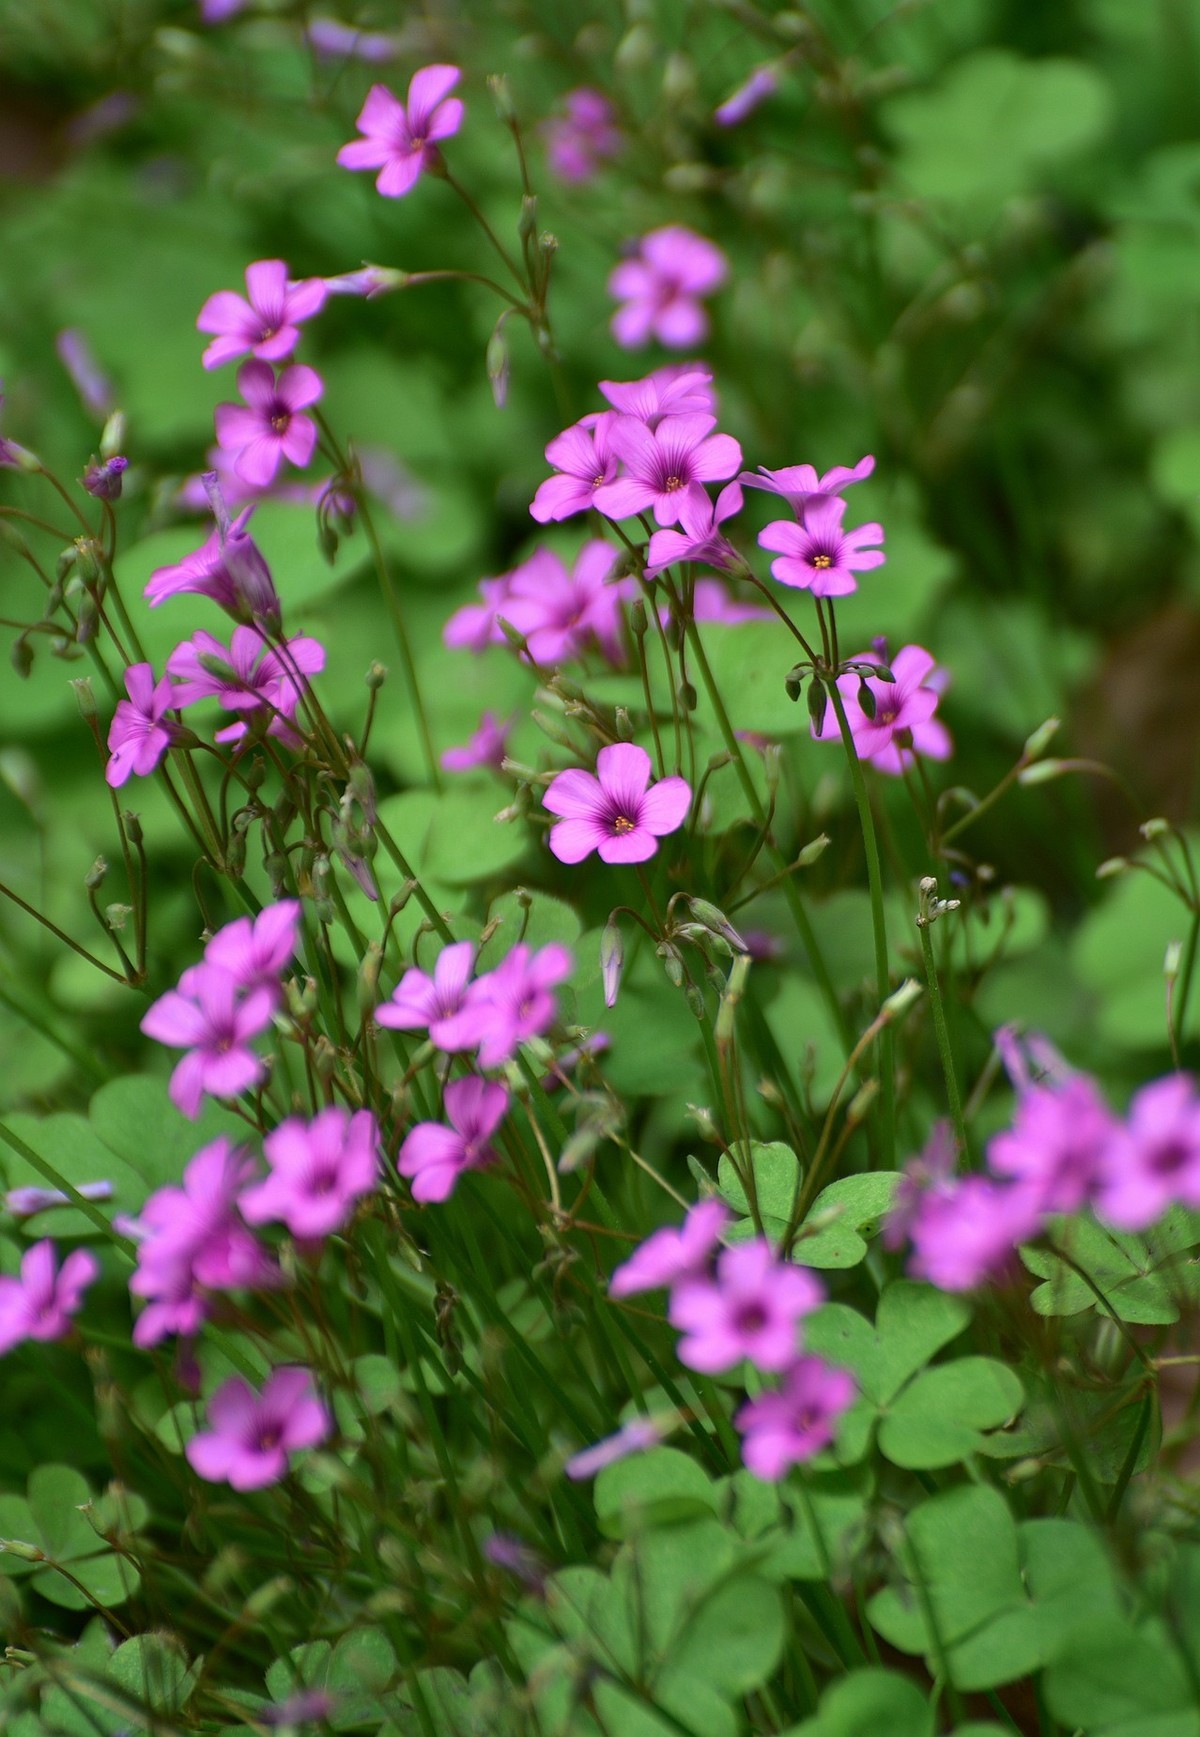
[[1145, 1279], [47, 1537]]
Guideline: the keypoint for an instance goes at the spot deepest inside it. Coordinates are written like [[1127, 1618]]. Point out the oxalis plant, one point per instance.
[[630, 1299]]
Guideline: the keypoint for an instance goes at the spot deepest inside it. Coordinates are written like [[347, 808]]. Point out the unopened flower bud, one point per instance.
[[686, 695], [624, 724], [502, 97], [527, 222], [612, 959], [87, 559], [402, 897], [671, 959], [65, 565], [1152, 829], [866, 699], [85, 699], [794, 683], [88, 619], [112, 438], [96, 874], [497, 360], [818, 699], [376, 676], [1039, 741], [22, 655]]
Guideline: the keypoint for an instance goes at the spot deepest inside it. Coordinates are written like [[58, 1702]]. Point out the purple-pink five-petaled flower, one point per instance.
[[903, 721], [665, 466], [785, 1427], [192, 1241], [659, 288], [39, 1305], [800, 485], [583, 462], [616, 812], [818, 555], [434, 1156], [270, 426], [577, 142], [486, 747], [401, 138], [750, 1311], [436, 1004], [515, 1001], [319, 1169], [248, 675], [251, 1436], [215, 1024], [1152, 1160], [266, 324], [669, 1255], [141, 732]]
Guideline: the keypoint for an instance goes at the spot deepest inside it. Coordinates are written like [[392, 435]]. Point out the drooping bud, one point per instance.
[[818, 699], [112, 438]]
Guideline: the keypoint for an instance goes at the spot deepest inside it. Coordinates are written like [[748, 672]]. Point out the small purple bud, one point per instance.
[[612, 958], [103, 481]]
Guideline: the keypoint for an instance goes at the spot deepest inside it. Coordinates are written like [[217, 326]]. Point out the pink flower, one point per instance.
[[515, 1001], [433, 1156], [904, 723], [818, 556], [247, 676], [266, 325], [215, 1025], [39, 1305], [577, 143], [679, 389], [138, 737], [271, 426], [334, 40], [192, 1241], [931, 1171], [473, 627], [584, 461], [762, 83], [228, 567], [254, 950], [1152, 1162], [487, 747], [751, 1311], [615, 813], [670, 1255], [401, 139], [252, 1436], [436, 1004], [318, 1170], [666, 466], [1057, 1143], [560, 613], [785, 1428], [103, 481], [633, 1437], [659, 287], [701, 538], [965, 1232], [800, 485]]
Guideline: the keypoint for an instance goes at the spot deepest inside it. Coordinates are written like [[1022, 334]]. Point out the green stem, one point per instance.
[[791, 892], [883, 983], [943, 1040]]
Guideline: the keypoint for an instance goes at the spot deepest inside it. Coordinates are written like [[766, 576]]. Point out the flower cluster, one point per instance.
[[488, 1018], [222, 1004], [746, 1307], [1065, 1152], [561, 614]]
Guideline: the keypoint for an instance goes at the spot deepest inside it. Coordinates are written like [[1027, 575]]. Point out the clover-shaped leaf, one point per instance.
[[912, 1323], [858, 1206], [48, 1519], [937, 1419], [1145, 1279], [772, 1171]]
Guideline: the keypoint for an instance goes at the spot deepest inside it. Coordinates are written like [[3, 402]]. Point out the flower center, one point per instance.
[[672, 484], [598, 480], [822, 561], [280, 420], [622, 823], [268, 1438], [750, 1318], [1168, 1158]]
